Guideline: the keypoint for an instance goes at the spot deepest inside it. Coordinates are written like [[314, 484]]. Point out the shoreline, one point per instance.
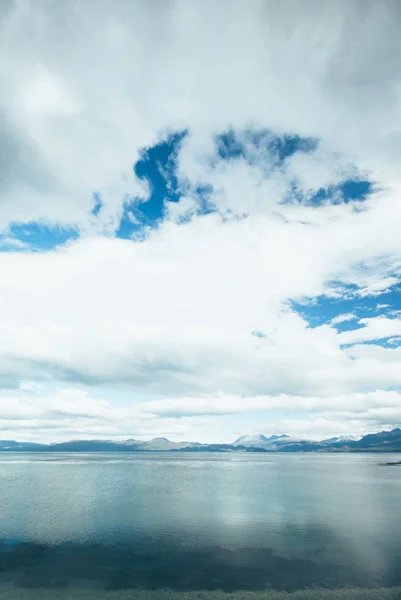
[[13, 593]]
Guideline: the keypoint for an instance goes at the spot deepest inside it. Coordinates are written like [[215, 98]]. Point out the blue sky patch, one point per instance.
[[231, 145], [388, 342], [258, 334], [322, 310], [97, 204], [157, 167], [36, 237], [265, 147], [348, 191]]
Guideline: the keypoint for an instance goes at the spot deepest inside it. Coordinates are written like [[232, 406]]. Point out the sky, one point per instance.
[[200, 218]]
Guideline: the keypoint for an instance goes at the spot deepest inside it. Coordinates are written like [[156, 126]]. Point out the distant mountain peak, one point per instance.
[[258, 440], [257, 437], [277, 437], [342, 438]]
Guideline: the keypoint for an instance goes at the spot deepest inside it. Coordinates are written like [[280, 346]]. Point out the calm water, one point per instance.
[[185, 523]]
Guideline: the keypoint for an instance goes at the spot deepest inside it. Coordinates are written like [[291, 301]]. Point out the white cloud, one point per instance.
[[176, 313], [74, 413], [343, 318], [224, 404], [374, 328]]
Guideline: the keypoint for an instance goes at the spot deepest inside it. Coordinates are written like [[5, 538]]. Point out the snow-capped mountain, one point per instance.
[[342, 439], [251, 441], [261, 441]]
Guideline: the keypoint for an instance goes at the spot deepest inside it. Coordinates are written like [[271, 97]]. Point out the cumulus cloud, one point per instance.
[[343, 318], [175, 314], [374, 328]]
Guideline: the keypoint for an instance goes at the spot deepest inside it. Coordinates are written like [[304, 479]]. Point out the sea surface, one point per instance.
[[280, 526]]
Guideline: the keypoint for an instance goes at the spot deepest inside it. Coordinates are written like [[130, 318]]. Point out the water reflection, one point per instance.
[[162, 521]]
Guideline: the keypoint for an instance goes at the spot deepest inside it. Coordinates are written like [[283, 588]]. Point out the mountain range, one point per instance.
[[384, 441]]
